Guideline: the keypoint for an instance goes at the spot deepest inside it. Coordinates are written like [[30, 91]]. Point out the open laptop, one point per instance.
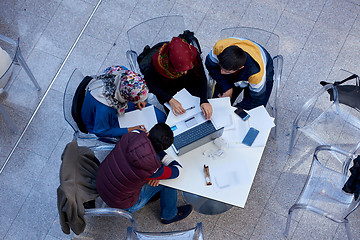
[[194, 132]]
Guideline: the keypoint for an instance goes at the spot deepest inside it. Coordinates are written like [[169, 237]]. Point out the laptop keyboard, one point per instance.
[[194, 134]]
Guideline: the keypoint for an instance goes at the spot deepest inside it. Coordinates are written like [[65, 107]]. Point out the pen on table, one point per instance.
[[192, 107]]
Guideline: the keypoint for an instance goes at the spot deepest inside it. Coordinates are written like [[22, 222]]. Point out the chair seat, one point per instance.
[[335, 124], [323, 191]]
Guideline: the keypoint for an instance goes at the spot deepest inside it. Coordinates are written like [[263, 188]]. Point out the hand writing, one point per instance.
[[139, 127], [141, 105], [176, 107]]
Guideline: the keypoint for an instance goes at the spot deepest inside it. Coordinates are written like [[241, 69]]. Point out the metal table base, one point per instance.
[[205, 205]]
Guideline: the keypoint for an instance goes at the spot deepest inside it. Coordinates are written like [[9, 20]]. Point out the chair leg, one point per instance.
[[292, 139], [348, 232], [287, 228], [274, 132], [22, 62], [8, 119]]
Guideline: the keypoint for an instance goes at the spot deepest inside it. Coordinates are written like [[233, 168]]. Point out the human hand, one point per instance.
[[141, 105], [139, 127], [228, 93], [154, 183], [176, 107], [207, 110]]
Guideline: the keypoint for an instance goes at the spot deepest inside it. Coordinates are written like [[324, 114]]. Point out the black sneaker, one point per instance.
[[183, 212], [155, 197], [89, 204]]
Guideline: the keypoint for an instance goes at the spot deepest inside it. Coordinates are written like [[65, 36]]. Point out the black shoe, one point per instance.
[[183, 212], [155, 197], [89, 204]]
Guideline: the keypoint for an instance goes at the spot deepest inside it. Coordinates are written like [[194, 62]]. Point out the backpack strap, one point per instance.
[[189, 37], [346, 79], [144, 59], [323, 83]]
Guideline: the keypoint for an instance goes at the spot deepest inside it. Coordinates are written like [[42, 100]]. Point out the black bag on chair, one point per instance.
[[347, 94], [144, 59]]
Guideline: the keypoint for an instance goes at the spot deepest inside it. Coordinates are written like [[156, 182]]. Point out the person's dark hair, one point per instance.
[[232, 58], [161, 137]]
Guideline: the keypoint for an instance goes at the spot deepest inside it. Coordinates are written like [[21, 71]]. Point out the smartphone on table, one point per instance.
[[242, 114], [250, 136]]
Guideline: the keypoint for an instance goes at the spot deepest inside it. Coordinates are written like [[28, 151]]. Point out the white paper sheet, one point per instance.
[[259, 119], [222, 112], [146, 117], [187, 101], [225, 177]]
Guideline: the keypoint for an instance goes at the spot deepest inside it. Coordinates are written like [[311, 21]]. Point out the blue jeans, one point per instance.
[[168, 200]]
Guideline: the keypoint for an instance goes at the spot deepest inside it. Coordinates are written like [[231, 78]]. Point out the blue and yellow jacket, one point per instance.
[[254, 72]]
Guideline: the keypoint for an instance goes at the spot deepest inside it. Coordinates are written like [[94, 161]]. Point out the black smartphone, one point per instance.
[[250, 136], [242, 114]]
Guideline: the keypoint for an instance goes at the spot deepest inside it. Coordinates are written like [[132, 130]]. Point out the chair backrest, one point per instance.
[[328, 161], [342, 166], [111, 212], [155, 30], [71, 86], [189, 234], [270, 41], [7, 60], [328, 122], [151, 32], [6, 67], [13, 47]]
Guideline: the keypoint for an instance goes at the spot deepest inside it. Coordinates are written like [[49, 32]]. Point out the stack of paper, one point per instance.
[[187, 101], [223, 115]]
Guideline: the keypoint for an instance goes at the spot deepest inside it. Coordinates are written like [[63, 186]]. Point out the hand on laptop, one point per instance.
[[206, 108], [176, 107]]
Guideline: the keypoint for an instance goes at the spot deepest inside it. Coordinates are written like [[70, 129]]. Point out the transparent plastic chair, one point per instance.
[[5, 78], [327, 122], [75, 183], [270, 41], [322, 193], [151, 32], [189, 234], [71, 86]]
